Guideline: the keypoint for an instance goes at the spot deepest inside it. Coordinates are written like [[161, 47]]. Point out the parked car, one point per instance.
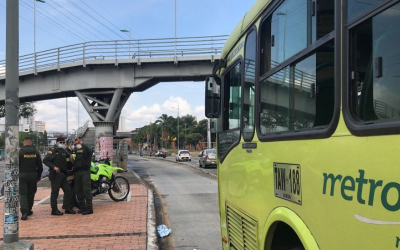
[[208, 157], [159, 153], [183, 155]]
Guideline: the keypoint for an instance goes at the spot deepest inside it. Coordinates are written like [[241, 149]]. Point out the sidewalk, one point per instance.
[[114, 225]]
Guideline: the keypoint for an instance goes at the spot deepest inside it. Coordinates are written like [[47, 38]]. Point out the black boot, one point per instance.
[[24, 217], [69, 211], [30, 213], [88, 211], [81, 210], [56, 212]]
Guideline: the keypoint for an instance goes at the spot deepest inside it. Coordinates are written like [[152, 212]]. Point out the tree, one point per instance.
[[168, 123], [39, 139], [164, 131], [193, 138], [26, 109], [141, 136], [201, 128]]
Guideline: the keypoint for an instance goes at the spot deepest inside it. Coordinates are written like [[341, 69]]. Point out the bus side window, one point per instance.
[[265, 44], [300, 96], [289, 30], [375, 68], [293, 26], [357, 8], [248, 85], [232, 98]]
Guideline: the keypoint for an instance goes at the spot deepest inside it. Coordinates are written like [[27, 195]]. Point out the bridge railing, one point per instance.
[[120, 49]]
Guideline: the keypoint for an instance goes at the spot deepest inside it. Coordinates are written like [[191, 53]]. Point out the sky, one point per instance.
[[66, 22]]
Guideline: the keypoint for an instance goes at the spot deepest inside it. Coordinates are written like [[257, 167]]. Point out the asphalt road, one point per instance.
[[187, 200], [193, 163]]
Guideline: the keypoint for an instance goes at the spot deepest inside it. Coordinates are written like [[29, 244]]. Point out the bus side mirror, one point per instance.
[[212, 97]]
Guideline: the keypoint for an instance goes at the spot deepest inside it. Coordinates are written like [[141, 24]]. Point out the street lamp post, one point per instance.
[[34, 33], [124, 30], [178, 122], [175, 59], [184, 146]]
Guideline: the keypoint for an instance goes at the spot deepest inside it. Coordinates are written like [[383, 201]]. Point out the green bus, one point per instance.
[[306, 102]]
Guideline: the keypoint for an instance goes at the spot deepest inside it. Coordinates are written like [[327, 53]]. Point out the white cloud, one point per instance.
[[199, 113], [145, 114], [53, 113], [173, 103]]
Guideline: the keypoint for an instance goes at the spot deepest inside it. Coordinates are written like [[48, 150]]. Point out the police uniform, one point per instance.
[[30, 171], [82, 178], [57, 157], [70, 175], [70, 165]]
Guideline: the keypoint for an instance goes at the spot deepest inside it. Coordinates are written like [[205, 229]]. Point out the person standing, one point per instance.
[[30, 172], [70, 172], [82, 178], [69, 149], [56, 160]]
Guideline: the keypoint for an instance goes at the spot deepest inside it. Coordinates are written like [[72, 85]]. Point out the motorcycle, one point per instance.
[[103, 180]]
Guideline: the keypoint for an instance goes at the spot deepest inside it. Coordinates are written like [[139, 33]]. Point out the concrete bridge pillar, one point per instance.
[[104, 107], [104, 132]]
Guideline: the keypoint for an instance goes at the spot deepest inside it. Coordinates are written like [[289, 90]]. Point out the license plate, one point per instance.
[[287, 181]]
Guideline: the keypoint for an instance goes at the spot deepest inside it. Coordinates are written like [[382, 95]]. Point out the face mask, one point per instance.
[[78, 146], [61, 145]]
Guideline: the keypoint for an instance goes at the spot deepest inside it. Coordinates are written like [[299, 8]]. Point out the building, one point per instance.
[[121, 123], [22, 128], [40, 126], [30, 122]]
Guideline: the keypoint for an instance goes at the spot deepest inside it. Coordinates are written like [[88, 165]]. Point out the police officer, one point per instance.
[[30, 172], [82, 178], [69, 149], [70, 172], [56, 160]]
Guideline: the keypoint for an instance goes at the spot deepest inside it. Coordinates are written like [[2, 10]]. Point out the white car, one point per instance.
[[183, 155]]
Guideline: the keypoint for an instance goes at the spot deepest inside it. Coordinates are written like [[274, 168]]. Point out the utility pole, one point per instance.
[[34, 38], [175, 58], [185, 138], [11, 171], [178, 122], [66, 113], [34, 34]]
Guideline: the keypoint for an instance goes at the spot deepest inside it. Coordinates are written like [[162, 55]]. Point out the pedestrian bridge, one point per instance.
[[103, 74]]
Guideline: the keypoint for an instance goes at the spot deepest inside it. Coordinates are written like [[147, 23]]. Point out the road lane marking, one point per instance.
[[41, 201]]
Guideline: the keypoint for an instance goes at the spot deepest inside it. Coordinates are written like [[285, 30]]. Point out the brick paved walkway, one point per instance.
[[114, 225]]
